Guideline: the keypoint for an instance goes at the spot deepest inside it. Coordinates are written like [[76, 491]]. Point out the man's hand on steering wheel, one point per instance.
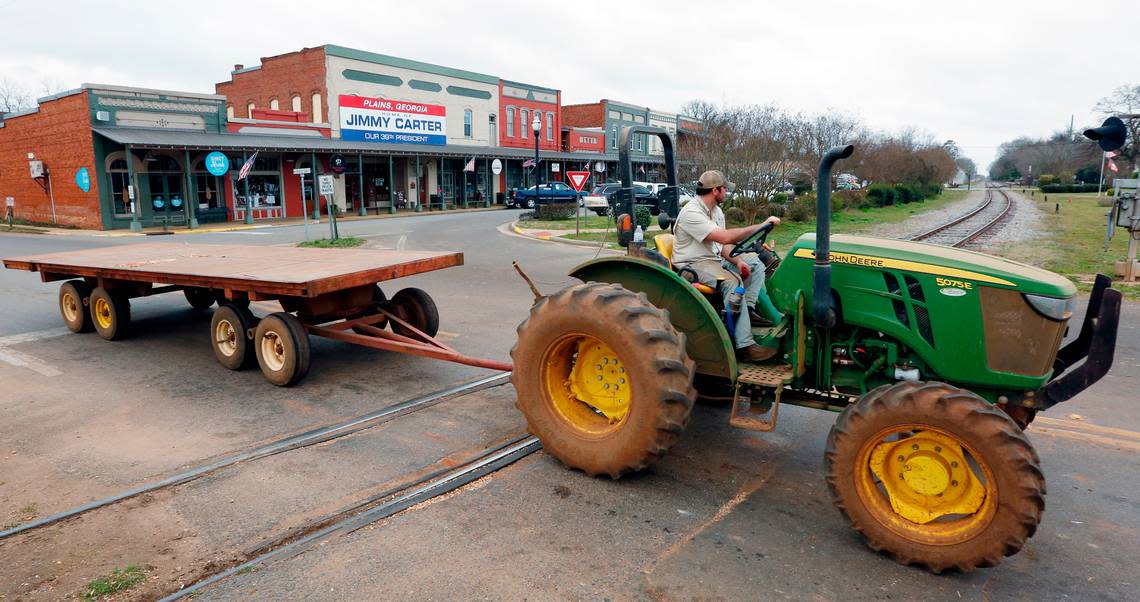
[[753, 242]]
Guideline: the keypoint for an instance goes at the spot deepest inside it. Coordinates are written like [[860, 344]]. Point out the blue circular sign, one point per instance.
[[83, 179], [217, 163]]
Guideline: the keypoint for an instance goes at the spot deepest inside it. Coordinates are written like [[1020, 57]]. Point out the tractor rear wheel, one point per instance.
[[602, 378], [935, 476]]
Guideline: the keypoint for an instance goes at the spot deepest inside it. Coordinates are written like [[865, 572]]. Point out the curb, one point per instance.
[[551, 238]]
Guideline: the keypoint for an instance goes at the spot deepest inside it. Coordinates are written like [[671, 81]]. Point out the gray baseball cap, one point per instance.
[[713, 178]]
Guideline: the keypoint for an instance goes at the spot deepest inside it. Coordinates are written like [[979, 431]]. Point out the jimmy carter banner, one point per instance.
[[392, 121]]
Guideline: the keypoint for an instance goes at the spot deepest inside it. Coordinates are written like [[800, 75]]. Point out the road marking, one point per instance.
[[24, 360], [1085, 426], [1087, 433]]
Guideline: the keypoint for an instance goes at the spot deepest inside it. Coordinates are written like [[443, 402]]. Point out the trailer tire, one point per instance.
[[940, 515], [417, 308], [573, 347], [199, 298], [110, 313], [229, 328], [282, 348], [74, 297], [379, 300]]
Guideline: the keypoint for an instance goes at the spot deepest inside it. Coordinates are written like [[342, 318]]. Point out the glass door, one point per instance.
[[167, 201]]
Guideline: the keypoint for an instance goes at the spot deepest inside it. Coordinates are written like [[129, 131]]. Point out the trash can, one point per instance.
[[500, 198], [435, 201]]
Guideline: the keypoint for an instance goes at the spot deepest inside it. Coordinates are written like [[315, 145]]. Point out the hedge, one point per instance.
[[1073, 188], [555, 211]]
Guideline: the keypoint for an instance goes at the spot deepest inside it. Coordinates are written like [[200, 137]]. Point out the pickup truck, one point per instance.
[[554, 192]]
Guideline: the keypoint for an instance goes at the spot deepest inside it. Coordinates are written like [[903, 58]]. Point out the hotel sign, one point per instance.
[[392, 121]]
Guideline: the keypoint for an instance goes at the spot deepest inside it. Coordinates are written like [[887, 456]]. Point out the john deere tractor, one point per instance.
[[935, 359]]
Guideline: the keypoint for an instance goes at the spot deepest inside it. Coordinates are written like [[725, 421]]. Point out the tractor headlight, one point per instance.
[[1052, 307]]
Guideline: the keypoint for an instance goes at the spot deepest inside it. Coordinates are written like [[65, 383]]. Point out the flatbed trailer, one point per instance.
[[334, 293]]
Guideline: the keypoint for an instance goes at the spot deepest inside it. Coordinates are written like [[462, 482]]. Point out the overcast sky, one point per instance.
[[979, 73]]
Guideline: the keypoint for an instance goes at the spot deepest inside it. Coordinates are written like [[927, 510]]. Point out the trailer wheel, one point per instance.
[[282, 348], [228, 336], [603, 378], [417, 308], [74, 296], [935, 476], [110, 313], [199, 298]]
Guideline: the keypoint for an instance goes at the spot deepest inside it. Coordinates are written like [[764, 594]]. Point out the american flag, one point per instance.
[[470, 165], [245, 168], [528, 163], [586, 167], [1110, 154], [642, 170], [1112, 166]]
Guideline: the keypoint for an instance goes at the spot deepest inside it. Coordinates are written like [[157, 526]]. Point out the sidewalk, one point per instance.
[[237, 226]]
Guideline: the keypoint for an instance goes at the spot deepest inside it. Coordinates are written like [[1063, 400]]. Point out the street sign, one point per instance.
[[326, 184], [301, 171], [600, 166], [577, 179], [9, 201], [496, 167]]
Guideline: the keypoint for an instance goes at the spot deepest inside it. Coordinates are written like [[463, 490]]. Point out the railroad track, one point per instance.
[[306, 439], [972, 225]]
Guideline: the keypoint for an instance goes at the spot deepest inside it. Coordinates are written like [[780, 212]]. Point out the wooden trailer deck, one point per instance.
[[259, 271]]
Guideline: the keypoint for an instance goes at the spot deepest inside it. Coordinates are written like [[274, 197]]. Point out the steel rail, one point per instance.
[[976, 233], [430, 487], [290, 443], [954, 222]]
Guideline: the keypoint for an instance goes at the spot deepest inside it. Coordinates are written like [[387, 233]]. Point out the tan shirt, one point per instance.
[[694, 224]]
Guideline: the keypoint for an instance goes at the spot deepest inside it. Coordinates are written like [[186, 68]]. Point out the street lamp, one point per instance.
[[536, 125]]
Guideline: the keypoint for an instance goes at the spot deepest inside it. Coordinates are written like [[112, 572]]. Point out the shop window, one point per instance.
[[524, 123], [466, 123], [229, 111], [493, 130], [550, 126], [273, 104], [118, 181], [318, 114], [615, 114], [249, 111], [510, 122], [613, 139], [296, 103]]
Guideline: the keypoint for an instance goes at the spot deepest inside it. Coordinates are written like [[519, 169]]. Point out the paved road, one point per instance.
[[727, 515]]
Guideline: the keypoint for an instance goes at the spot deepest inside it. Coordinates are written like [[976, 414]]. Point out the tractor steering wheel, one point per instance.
[[753, 243]]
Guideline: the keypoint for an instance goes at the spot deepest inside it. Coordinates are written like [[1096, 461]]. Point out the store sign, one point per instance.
[[497, 167], [83, 179], [392, 121], [218, 164]]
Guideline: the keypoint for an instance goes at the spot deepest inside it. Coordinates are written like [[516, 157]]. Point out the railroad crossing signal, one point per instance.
[[577, 179]]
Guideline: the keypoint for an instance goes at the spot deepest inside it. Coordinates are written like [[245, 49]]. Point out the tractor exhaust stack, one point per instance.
[[823, 308]]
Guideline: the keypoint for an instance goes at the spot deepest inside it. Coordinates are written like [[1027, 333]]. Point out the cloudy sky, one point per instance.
[[979, 73]]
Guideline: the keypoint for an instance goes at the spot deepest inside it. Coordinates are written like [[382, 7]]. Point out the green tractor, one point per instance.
[[934, 358]]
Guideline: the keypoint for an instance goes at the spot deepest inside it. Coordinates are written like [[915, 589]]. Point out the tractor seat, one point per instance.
[[664, 244]]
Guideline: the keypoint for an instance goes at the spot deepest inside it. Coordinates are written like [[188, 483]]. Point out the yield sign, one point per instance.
[[577, 179]]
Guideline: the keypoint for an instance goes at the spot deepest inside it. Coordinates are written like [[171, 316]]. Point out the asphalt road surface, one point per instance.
[[727, 515]]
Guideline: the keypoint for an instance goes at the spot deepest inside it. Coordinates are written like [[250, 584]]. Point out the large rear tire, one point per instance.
[[935, 476], [602, 378]]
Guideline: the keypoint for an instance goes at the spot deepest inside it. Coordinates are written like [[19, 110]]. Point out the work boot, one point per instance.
[[758, 320], [755, 353]]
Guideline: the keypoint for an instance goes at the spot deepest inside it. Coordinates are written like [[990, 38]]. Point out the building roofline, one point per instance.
[[133, 90], [530, 86], [393, 61]]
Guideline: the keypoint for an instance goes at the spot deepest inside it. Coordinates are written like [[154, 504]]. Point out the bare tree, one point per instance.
[[13, 96], [1124, 102]]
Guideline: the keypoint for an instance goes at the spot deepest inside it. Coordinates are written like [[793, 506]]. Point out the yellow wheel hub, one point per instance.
[[587, 383], [70, 307], [102, 312], [927, 477]]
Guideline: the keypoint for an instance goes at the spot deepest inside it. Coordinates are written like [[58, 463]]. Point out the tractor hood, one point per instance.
[[938, 260]]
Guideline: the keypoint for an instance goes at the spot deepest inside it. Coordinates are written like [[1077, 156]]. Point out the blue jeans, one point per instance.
[[753, 286]]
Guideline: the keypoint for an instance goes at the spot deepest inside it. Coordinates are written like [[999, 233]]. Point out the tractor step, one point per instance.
[[767, 376]]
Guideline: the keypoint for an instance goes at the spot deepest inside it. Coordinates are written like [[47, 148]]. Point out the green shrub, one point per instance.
[[933, 190], [776, 209], [1047, 179], [555, 211], [801, 210], [643, 217], [1110, 192], [734, 215], [847, 199], [1068, 188], [881, 195], [779, 197], [908, 193]]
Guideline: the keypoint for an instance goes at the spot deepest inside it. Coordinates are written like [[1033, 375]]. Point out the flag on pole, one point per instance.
[[470, 165], [586, 167], [1109, 154], [528, 163], [642, 170], [245, 168], [1112, 166]]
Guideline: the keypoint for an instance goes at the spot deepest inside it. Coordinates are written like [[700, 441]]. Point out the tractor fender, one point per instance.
[[706, 339]]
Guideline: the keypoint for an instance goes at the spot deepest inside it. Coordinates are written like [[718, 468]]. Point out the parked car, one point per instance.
[[602, 197], [554, 192]]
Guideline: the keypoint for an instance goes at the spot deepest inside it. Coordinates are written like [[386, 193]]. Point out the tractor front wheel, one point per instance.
[[602, 378], [935, 476]]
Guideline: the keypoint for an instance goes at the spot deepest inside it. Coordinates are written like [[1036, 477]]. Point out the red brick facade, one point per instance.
[[592, 115], [523, 134], [576, 140], [59, 134], [287, 120], [280, 78]]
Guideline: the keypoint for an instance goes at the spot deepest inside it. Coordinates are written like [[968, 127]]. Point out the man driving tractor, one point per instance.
[[704, 246]]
